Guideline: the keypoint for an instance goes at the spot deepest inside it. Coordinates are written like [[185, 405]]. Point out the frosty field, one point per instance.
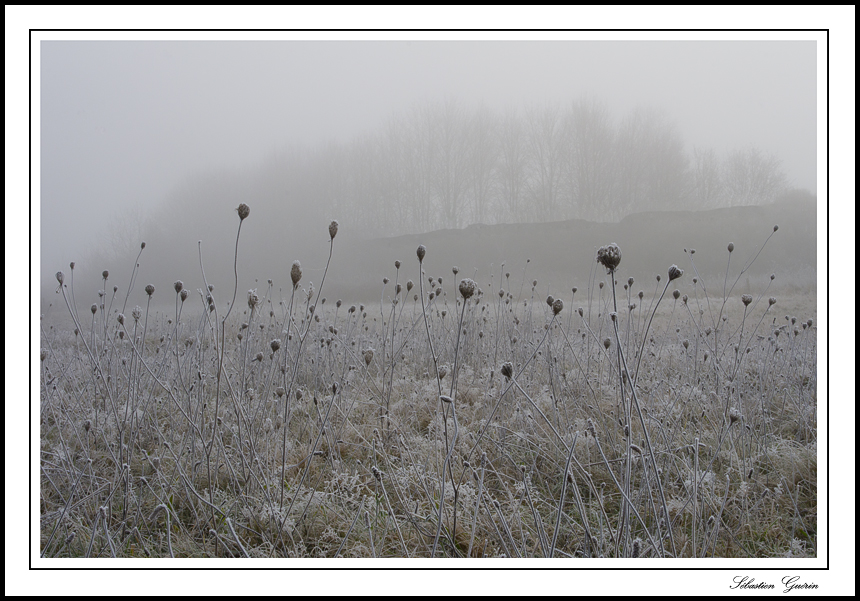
[[670, 418]]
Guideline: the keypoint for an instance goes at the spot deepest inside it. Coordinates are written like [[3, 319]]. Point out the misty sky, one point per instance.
[[123, 123]]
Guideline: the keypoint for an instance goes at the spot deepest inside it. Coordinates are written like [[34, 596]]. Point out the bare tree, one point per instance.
[[753, 177], [511, 169], [590, 168], [546, 145], [483, 154], [707, 181]]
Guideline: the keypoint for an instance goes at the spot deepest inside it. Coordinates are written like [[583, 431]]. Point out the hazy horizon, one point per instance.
[[124, 125]]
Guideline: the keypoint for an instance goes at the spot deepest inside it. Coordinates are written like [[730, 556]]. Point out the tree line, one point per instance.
[[444, 165]]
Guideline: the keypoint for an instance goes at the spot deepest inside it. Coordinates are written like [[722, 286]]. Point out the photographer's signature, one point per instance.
[[789, 583]]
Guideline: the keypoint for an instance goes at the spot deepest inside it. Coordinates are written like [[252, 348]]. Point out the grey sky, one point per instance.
[[122, 123]]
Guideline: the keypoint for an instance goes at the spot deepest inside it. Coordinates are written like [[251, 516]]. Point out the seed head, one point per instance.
[[734, 415], [368, 356], [508, 369], [776, 227], [275, 344], [150, 289], [60, 276], [549, 300], [607, 343], [676, 294], [746, 299], [178, 286], [446, 399], [105, 274], [332, 228], [675, 272], [136, 312], [244, 210], [609, 256], [467, 287], [120, 318], [557, 306], [771, 301], [731, 246], [455, 269], [94, 308], [296, 273], [422, 250]]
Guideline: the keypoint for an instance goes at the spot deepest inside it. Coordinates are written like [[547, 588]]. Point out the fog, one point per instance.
[[160, 141]]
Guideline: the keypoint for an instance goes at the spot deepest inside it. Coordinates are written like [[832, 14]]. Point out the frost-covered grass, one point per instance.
[[444, 421]]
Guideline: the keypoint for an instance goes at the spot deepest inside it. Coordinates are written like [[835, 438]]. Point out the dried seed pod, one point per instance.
[[243, 210], [296, 273], [332, 228], [609, 256], [467, 288]]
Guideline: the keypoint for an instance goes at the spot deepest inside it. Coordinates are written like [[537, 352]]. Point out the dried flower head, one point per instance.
[[183, 295], [607, 343], [746, 299], [60, 276], [243, 210], [676, 294], [675, 272], [467, 287], [507, 369], [557, 306], [178, 286], [94, 308], [136, 312], [549, 300], [734, 415], [105, 274], [150, 289], [731, 246], [296, 273], [609, 256], [275, 344], [771, 301], [422, 250], [120, 318], [332, 228], [446, 399]]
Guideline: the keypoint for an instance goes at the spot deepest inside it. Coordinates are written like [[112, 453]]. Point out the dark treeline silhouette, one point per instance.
[[438, 166], [447, 166]]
